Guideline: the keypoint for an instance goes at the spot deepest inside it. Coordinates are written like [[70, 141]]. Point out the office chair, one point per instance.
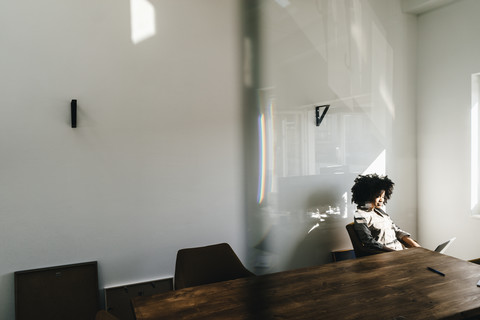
[[358, 247], [204, 265], [104, 315]]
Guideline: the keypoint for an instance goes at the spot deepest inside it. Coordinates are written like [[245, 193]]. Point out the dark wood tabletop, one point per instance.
[[394, 286]]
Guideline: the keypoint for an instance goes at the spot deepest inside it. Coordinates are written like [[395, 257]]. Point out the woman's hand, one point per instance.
[[410, 242]]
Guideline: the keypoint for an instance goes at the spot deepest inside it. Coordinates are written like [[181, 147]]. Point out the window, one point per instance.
[[474, 147]]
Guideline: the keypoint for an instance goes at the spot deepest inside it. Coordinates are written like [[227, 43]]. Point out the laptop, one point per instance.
[[443, 246]]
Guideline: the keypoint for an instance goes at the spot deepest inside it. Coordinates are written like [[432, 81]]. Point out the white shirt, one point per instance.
[[376, 229]]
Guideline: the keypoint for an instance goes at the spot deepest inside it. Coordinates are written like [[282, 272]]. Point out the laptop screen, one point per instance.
[[443, 246]]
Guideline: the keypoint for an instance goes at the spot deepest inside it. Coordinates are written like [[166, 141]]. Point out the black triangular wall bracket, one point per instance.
[[318, 117]]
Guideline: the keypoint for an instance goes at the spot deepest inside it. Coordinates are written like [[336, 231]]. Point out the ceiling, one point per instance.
[[422, 6]]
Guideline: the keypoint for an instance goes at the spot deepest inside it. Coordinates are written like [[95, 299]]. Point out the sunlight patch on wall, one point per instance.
[[474, 157], [143, 24], [378, 165]]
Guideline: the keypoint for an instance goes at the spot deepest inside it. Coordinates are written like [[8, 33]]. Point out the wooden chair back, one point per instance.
[[358, 247], [209, 264]]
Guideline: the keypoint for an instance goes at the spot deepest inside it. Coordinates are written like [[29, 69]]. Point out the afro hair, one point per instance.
[[368, 187]]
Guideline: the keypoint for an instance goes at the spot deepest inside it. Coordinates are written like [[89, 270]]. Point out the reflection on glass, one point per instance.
[[322, 52], [266, 158], [262, 158]]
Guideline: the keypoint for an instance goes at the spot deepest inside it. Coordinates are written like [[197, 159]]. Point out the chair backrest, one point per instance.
[[203, 265], [358, 247]]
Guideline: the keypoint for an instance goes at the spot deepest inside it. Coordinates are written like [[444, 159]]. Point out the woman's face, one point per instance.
[[378, 201]]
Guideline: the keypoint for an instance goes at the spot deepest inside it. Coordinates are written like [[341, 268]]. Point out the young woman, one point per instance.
[[373, 225]]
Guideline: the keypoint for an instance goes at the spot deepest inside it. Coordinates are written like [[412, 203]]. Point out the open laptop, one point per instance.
[[443, 246]]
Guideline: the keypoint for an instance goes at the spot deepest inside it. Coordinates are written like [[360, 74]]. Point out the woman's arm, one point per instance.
[[404, 237], [366, 237], [410, 243]]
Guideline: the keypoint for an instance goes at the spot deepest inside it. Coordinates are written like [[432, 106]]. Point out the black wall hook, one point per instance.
[[73, 112]]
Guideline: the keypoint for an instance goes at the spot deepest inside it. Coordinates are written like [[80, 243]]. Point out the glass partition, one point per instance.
[[305, 55]]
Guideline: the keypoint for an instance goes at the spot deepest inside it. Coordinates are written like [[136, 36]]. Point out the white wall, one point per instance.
[[155, 163], [448, 56]]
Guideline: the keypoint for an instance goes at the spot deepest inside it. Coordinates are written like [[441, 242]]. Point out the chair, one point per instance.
[[104, 315], [203, 265], [358, 247]]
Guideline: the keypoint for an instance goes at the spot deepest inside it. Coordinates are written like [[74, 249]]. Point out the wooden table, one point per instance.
[[395, 285]]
